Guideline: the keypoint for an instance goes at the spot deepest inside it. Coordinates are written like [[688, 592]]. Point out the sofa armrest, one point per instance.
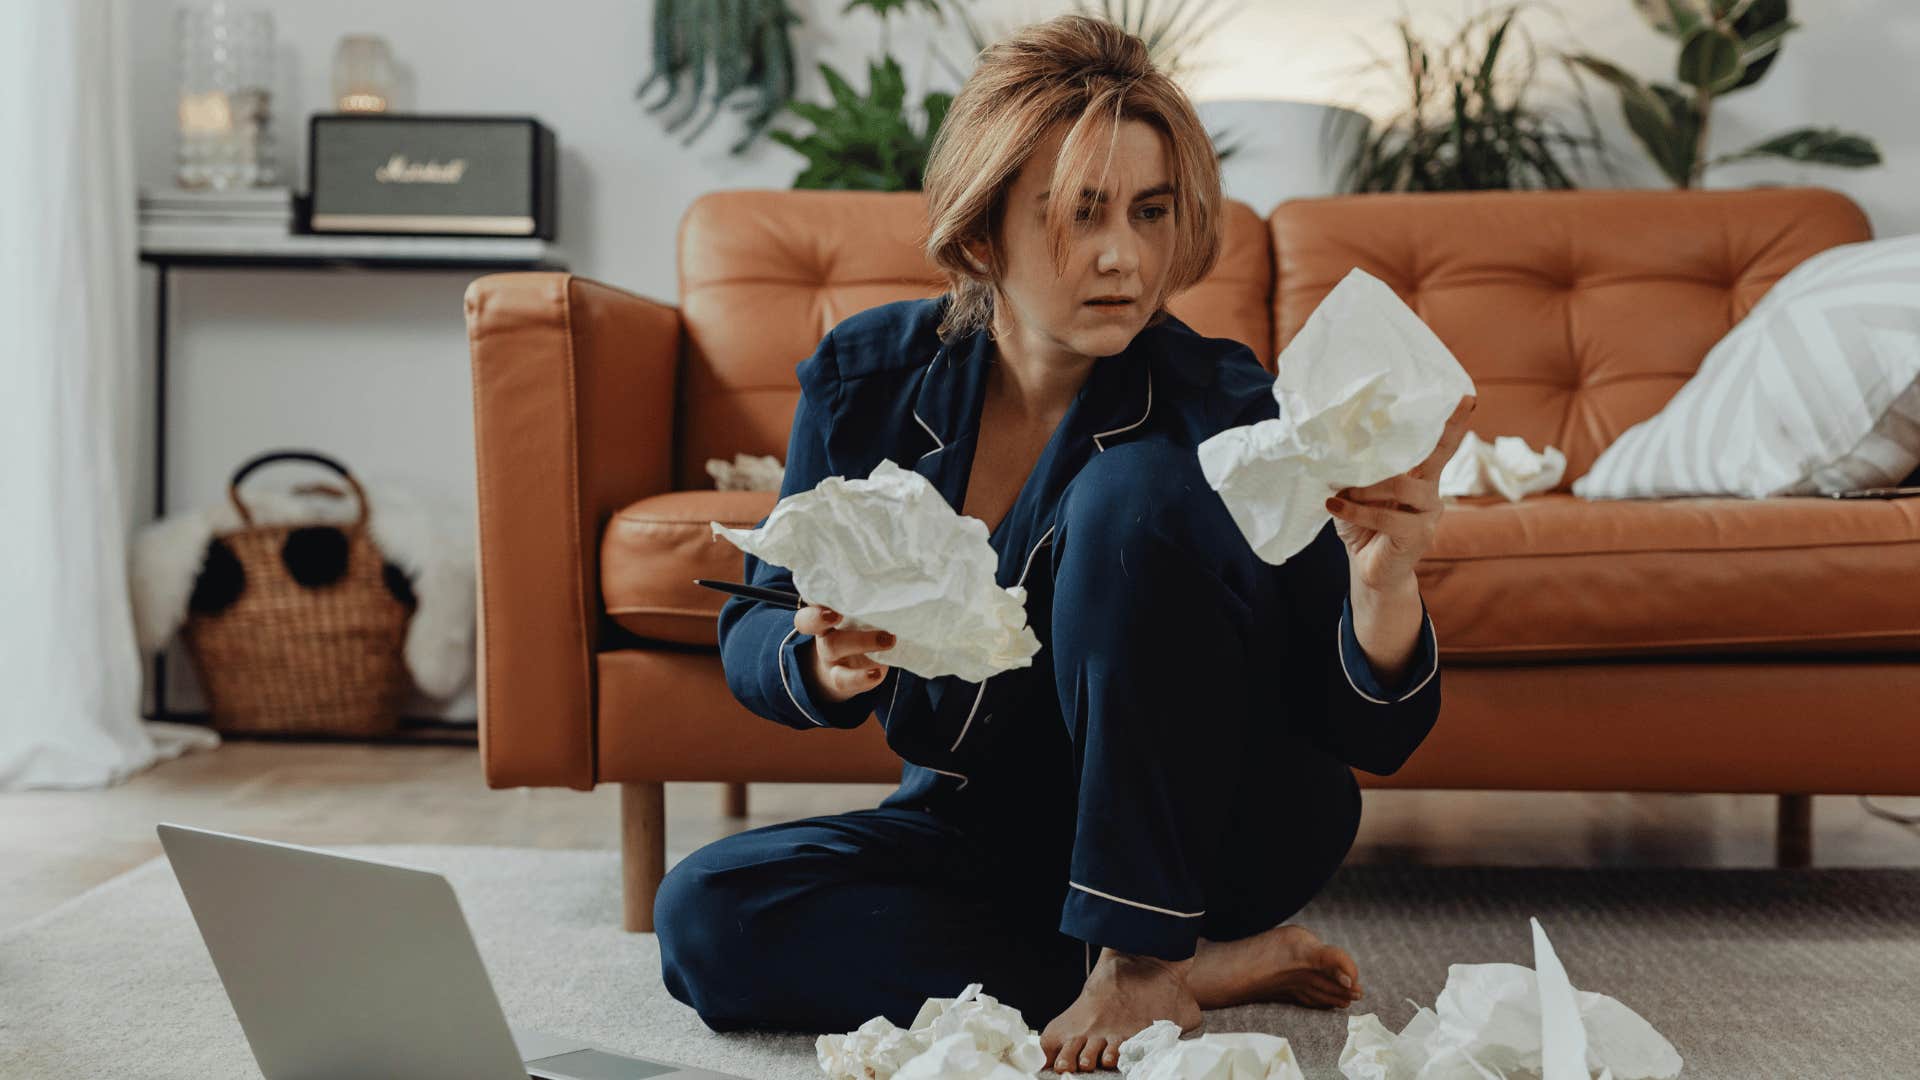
[[573, 407]]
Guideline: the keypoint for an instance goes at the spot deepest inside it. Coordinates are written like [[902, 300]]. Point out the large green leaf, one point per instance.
[[1675, 18], [1710, 59], [1650, 116], [1818, 146], [1760, 29]]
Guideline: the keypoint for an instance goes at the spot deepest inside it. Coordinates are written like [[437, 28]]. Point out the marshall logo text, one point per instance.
[[398, 170]]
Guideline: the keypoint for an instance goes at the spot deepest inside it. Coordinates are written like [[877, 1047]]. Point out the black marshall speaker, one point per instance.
[[423, 174]]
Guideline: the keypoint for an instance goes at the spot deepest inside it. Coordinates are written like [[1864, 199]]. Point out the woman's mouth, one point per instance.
[[1110, 305]]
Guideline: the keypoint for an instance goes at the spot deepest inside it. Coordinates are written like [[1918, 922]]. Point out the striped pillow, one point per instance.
[[1816, 390]]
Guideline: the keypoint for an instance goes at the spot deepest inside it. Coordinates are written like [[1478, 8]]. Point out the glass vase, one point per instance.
[[225, 71]]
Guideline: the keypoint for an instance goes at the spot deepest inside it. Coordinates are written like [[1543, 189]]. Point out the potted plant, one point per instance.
[[1725, 46]]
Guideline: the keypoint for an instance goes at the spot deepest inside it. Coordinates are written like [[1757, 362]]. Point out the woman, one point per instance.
[[1117, 833]]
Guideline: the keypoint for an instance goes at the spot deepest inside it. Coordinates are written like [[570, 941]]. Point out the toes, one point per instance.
[[1069, 1054], [1090, 1054], [1111, 1059]]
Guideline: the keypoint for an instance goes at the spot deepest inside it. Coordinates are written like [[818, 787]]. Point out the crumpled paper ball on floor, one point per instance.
[[1495, 1020], [970, 1037], [1159, 1053]]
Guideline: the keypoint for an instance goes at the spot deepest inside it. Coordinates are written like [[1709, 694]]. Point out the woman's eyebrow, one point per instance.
[[1101, 196]]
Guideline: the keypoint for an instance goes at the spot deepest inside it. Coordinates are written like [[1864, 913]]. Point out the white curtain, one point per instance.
[[70, 672]]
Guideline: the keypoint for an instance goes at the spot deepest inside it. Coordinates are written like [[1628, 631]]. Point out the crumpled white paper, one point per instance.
[[1159, 1053], [969, 1037], [1365, 389], [1506, 465], [746, 472], [889, 553], [1494, 1021]]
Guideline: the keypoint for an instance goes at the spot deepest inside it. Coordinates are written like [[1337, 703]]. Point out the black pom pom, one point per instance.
[[399, 586], [316, 556], [222, 579]]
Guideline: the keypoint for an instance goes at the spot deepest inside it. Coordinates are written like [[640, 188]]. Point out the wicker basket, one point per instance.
[[293, 659]]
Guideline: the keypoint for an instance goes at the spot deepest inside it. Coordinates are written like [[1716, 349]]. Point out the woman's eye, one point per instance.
[[1158, 212]]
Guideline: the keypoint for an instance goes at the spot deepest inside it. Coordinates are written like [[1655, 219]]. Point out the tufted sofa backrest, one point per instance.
[[765, 274], [1578, 314]]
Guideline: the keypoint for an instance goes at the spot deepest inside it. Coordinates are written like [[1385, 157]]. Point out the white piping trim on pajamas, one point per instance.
[[1138, 904], [1037, 545], [779, 659], [943, 772], [1143, 416], [937, 354], [1339, 639]]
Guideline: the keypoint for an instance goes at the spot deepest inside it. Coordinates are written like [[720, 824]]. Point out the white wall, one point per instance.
[[373, 367]]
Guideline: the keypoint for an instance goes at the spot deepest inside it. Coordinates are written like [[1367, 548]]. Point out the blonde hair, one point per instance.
[[1070, 69]]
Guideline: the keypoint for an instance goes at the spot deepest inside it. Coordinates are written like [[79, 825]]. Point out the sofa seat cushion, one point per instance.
[[1552, 577], [654, 548], [1555, 576]]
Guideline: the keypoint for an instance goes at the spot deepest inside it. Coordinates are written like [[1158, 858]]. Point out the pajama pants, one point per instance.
[[1155, 795]]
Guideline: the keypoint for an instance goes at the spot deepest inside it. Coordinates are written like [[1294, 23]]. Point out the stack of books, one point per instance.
[[177, 217]]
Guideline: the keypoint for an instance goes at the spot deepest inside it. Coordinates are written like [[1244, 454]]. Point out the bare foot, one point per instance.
[[1287, 963], [1123, 996]]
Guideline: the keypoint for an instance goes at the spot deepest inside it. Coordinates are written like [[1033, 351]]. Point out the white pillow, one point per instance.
[[1816, 390]]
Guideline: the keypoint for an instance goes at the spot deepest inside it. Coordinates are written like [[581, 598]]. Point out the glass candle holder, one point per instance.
[[225, 134], [362, 74]]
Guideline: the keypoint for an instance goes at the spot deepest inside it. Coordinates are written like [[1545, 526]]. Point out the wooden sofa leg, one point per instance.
[[736, 800], [643, 851], [1793, 840]]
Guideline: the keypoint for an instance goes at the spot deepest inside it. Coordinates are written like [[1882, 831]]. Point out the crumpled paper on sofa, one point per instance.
[[746, 472], [1504, 1021], [1506, 465], [1159, 1053], [890, 553], [1365, 389], [969, 1037]]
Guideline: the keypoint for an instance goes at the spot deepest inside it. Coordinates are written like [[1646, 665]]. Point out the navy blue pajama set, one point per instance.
[[1173, 765]]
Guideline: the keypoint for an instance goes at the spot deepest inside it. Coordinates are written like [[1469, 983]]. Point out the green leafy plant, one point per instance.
[[748, 48], [1467, 124], [866, 141], [1725, 45]]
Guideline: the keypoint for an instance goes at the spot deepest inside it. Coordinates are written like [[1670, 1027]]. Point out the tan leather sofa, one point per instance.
[[1683, 645]]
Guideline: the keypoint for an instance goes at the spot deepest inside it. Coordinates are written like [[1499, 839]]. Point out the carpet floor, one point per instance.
[[1750, 973]]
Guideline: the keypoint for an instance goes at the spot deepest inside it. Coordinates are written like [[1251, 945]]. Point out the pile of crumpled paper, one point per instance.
[[969, 1037], [1491, 1022]]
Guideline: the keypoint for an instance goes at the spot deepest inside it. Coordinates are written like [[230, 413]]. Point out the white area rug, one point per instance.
[[1751, 973]]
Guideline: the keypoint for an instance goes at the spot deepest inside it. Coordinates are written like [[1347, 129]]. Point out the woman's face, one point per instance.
[[1121, 243]]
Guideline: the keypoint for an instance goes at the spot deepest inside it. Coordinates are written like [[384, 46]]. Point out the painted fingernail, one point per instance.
[[886, 639], [829, 615], [1333, 504], [872, 672]]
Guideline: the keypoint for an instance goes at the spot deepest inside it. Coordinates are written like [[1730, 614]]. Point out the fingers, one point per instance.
[[837, 646], [1450, 438], [814, 619], [846, 680], [1378, 518], [850, 647], [1401, 492]]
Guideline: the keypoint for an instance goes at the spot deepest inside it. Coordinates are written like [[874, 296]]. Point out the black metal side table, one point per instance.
[[226, 248]]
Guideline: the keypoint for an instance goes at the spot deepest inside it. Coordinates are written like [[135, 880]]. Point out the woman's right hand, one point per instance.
[[836, 663]]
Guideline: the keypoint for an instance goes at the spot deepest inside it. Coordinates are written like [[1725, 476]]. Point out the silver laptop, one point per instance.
[[345, 967]]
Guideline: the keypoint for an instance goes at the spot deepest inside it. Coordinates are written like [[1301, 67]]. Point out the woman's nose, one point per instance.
[[1119, 250]]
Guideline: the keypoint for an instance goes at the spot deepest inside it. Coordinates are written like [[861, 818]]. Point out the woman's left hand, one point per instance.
[[1388, 526]]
